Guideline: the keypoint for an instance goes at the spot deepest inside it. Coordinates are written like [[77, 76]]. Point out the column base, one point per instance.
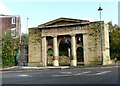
[[73, 62], [109, 62], [55, 63]]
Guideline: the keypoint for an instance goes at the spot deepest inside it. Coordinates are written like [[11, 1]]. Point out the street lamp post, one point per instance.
[[100, 9], [27, 26]]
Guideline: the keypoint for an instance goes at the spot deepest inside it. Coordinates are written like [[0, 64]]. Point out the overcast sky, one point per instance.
[[41, 11]]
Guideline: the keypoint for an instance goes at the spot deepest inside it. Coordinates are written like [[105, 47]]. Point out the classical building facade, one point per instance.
[[66, 41]]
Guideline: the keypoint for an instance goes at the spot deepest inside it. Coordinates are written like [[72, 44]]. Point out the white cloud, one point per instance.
[[3, 9]]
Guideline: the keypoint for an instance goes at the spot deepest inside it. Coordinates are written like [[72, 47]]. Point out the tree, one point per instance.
[[114, 41], [7, 50], [10, 45]]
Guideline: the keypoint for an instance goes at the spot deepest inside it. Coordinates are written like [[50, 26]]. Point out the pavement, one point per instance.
[[32, 68], [16, 68]]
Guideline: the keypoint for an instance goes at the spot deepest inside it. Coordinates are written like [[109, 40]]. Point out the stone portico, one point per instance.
[[68, 41]]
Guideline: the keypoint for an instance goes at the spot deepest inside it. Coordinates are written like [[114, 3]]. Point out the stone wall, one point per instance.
[[63, 60], [35, 58], [93, 41]]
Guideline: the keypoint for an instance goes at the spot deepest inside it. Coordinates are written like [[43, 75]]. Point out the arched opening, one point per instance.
[[80, 55], [64, 52], [50, 57], [64, 47]]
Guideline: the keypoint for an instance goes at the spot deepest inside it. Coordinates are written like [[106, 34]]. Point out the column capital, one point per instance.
[[54, 36], [43, 37], [85, 33], [72, 34]]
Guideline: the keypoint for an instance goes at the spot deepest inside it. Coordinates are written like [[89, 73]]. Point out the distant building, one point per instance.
[[12, 22]]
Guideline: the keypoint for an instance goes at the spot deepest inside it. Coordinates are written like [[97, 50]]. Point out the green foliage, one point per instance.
[[8, 47], [114, 41], [63, 49], [1, 60], [50, 52], [24, 39]]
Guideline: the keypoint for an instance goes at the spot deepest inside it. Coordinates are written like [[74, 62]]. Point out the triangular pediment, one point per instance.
[[62, 21]]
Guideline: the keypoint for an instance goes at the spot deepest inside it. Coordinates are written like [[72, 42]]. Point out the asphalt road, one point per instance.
[[89, 75]]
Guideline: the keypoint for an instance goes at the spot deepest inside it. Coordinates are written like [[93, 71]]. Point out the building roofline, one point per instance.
[[64, 25], [32, 27], [96, 21], [7, 16], [62, 19]]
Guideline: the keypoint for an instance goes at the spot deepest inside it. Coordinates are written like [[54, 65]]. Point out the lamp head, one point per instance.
[[100, 9]]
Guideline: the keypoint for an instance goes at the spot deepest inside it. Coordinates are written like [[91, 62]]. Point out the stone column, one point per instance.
[[69, 52], [106, 52], [44, 51], [73, 48], [85, 48], [55, 49]]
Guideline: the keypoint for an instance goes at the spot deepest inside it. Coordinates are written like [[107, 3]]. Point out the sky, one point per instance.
[[119, 13], [42, 11]]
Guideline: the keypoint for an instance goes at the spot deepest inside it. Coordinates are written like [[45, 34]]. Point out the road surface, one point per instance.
[[89, 75]]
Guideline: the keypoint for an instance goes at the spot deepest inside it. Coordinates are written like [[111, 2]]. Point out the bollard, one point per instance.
[[115, 61]]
